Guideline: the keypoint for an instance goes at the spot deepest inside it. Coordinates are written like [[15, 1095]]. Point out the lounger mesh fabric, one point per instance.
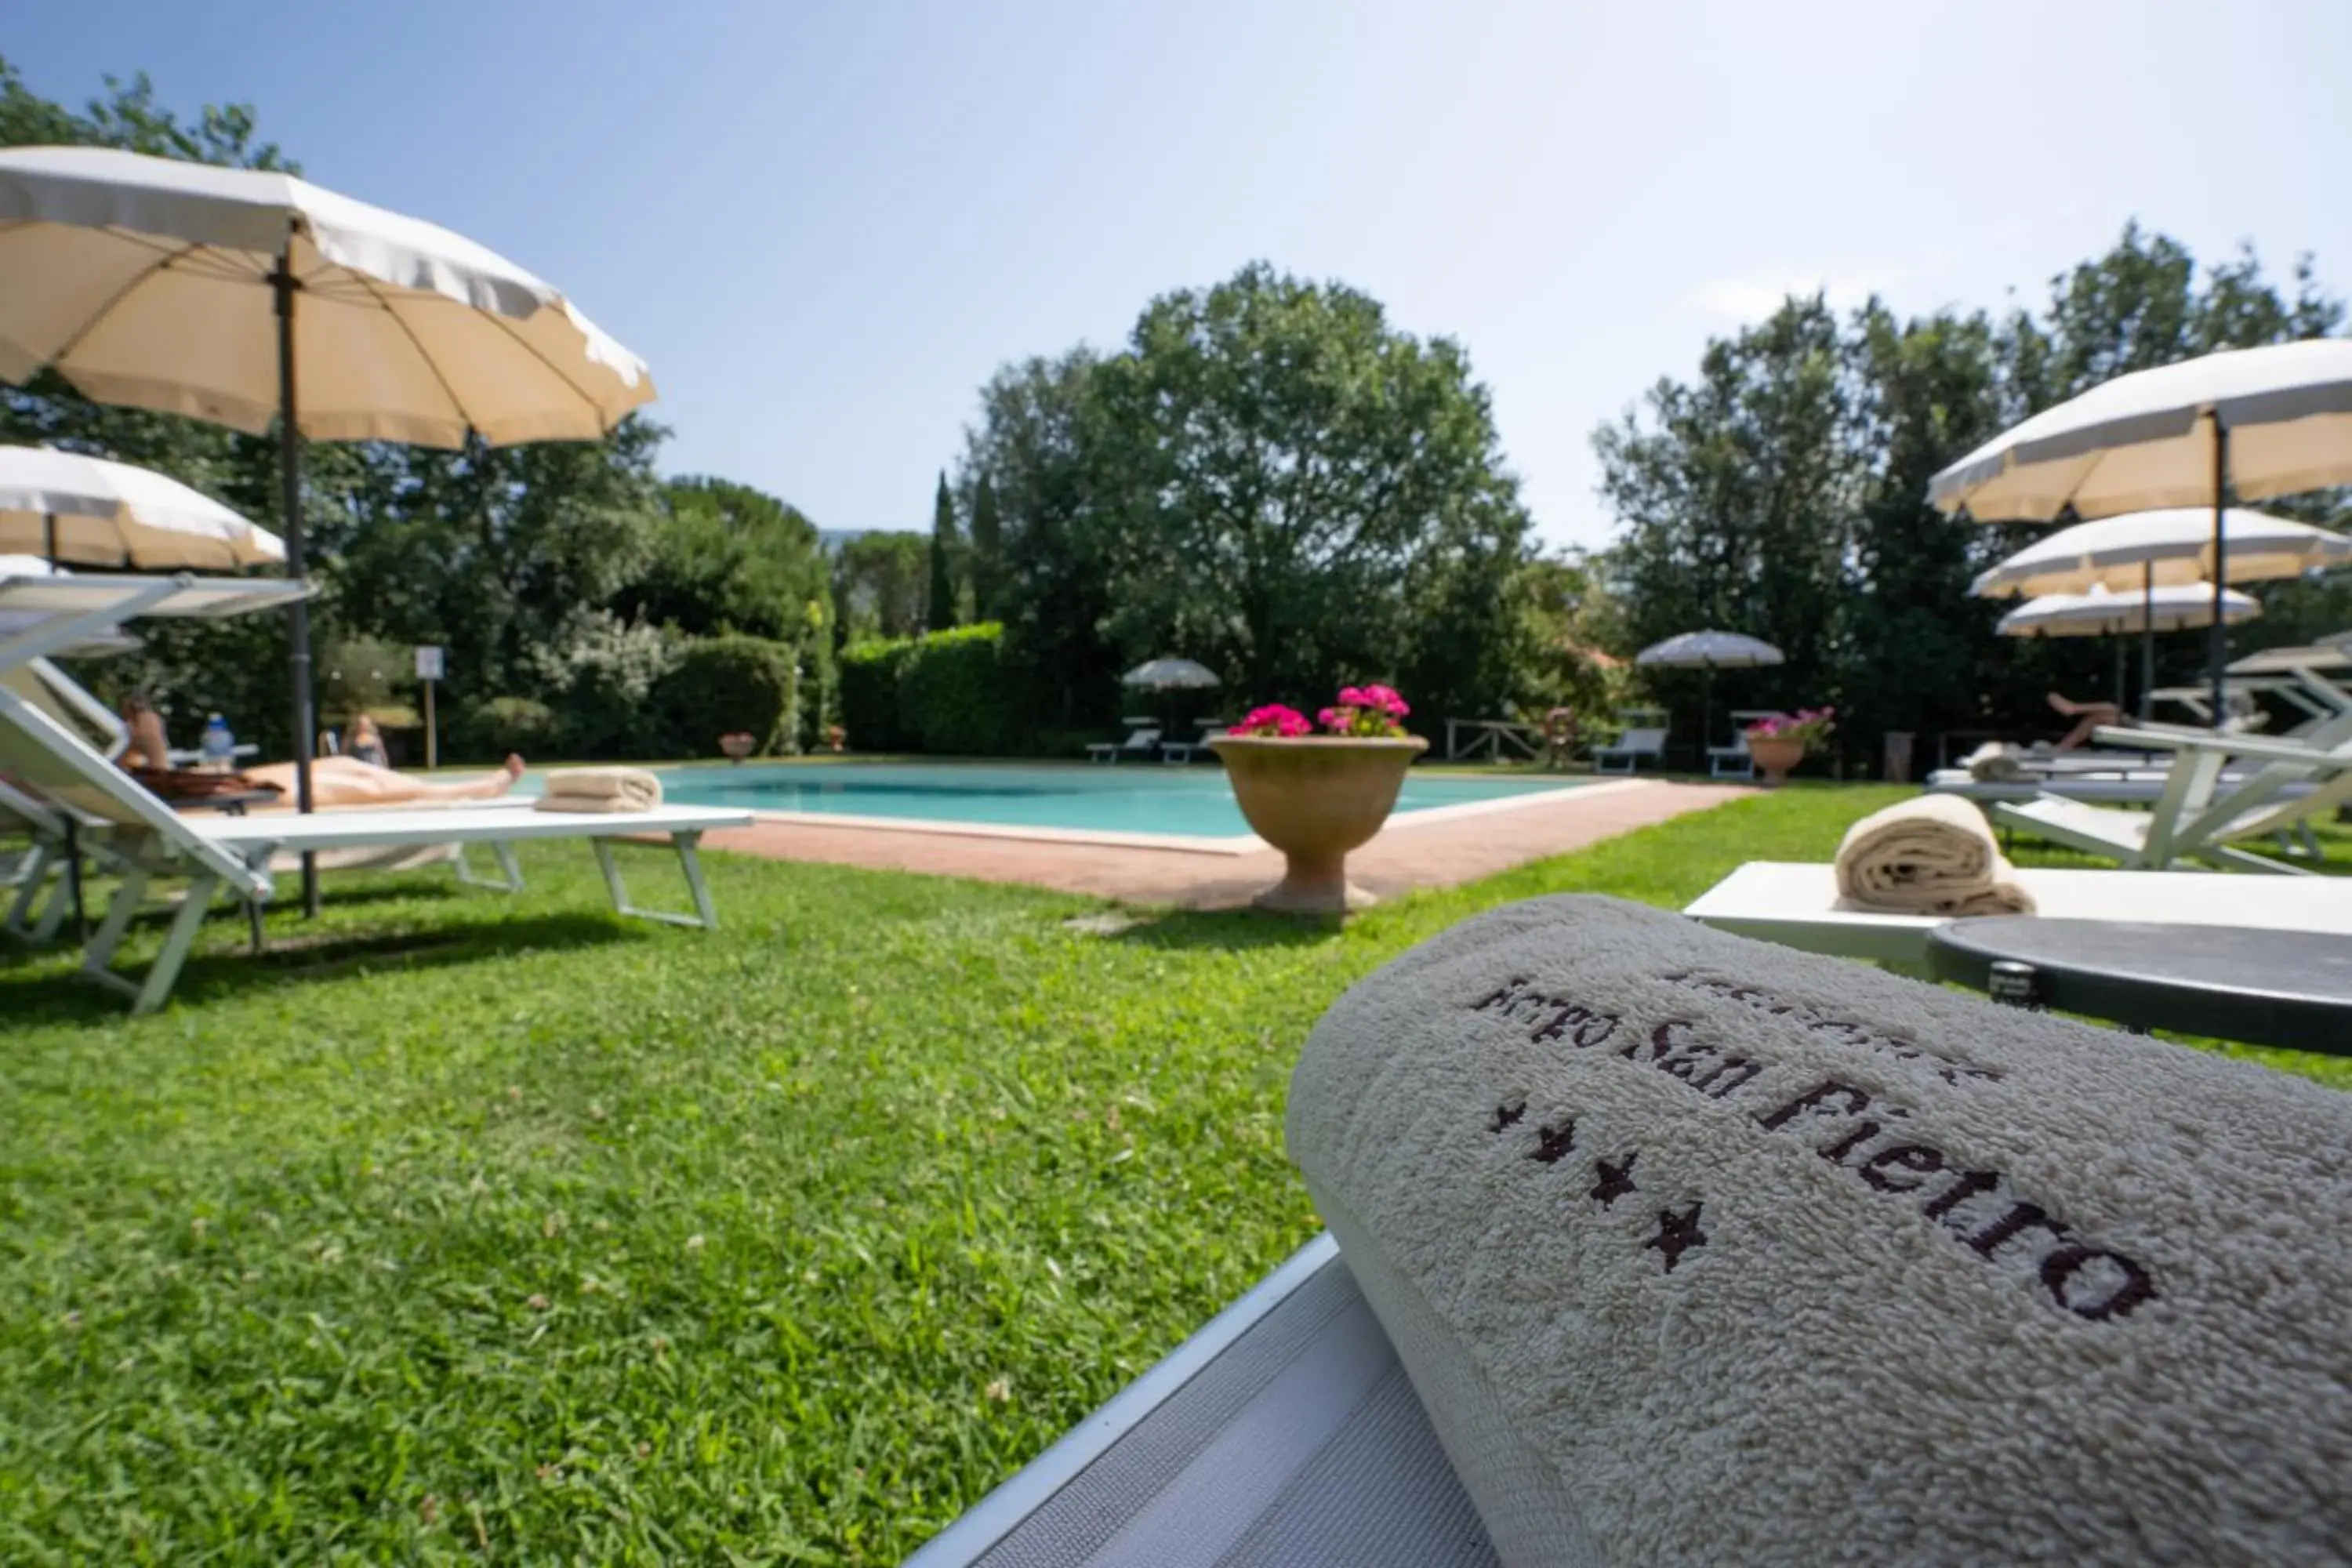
[[1704, 1251], [1301, 1445]]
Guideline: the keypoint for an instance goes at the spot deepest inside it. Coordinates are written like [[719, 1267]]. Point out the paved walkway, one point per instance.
[[1406, 854]]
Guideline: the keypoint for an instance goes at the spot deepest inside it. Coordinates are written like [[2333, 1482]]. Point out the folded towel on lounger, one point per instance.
[[1702, 1251], [1929, 855], [1993, 762], [601, 789]]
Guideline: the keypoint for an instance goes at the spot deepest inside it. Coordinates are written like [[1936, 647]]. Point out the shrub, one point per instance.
[[867, 681], [727, 685], [497, 725], [599, 672], [952, 695]]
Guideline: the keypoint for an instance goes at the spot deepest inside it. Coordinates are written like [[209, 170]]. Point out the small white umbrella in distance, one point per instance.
[[2263, 422], [242, 295], [2142, 551], [67, 506], [1710, 651], [1170, 674]]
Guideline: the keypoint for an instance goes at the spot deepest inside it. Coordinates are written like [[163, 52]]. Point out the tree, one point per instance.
[[727, 558], [987, 553], [1737, 495], [878, 586], [1032, 450], [941, 611], [497, 551], [1305, 495]]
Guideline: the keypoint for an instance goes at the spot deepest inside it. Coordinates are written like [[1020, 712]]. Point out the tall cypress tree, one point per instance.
[[987, 555], [943, 597]]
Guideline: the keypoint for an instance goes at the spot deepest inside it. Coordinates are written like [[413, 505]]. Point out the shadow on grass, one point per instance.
[[1233, 930], [66, 997]]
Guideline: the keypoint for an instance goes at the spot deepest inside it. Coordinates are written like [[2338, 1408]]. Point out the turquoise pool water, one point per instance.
[[1149, 797]]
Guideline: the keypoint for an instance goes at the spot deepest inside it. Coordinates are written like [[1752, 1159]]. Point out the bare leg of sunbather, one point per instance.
[[347, 780], [2087, 717]]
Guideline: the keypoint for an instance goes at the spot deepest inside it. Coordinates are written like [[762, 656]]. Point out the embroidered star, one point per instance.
[[1507, 1115], [1615, 1180], [1677, 1233], [1553, 1143]]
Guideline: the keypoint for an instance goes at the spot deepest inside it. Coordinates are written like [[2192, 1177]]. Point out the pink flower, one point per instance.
[[1273, 719]]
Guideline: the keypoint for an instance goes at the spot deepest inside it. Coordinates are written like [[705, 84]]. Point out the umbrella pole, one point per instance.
[[2146, 640], [290, 480], [50, 537], [2119, 675], [2218, 652], [1706, 714]]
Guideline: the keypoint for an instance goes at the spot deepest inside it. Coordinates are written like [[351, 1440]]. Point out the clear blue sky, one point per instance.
[[824, 225]]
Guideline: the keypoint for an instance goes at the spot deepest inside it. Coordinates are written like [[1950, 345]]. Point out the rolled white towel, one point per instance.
[[1703, 1251], [1932, 855], [1994, 763], [600, 789]]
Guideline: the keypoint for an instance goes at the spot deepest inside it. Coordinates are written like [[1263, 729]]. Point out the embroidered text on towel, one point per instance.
[[1978, 1208]]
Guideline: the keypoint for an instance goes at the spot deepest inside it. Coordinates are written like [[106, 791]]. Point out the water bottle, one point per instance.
[[219, 746]]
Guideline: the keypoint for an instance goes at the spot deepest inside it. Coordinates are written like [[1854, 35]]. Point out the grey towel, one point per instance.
[[1704, 1251]]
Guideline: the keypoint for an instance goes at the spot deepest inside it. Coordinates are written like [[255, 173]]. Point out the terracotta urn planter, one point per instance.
[[1315, 798], [1776, 754], [736, 747]]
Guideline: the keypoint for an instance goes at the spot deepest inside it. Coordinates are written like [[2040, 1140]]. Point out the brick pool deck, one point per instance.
[[1406, 854]]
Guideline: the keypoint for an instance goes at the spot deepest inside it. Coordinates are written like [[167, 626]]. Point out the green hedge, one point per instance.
[[951, 692], [727, 685], [943, 692], [488, 730], [867, 681]]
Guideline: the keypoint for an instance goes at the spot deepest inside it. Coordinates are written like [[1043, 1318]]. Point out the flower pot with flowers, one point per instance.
[[1316, 796], [1779, 742]]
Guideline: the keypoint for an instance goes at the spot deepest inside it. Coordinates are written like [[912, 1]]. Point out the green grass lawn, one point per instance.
[[467, 1228]]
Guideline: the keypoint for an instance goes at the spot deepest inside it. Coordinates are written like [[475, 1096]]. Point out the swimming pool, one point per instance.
[[1149, 799]]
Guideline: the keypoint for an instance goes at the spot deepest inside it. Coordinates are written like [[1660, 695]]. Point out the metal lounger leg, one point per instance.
[[705, 916], [509, 878], [33, 879], [166, 969], [98, 957]]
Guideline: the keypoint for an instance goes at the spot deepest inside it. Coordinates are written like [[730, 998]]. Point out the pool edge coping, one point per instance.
[[1179, 842]]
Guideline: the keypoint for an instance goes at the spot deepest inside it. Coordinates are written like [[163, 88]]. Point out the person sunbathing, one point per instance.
[[334, 781], [347, 780], [2087, 717]]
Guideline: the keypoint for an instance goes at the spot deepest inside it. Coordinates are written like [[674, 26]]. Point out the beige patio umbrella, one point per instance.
[[69, 506], [2140, 551], [242, 296], [2257, 422]]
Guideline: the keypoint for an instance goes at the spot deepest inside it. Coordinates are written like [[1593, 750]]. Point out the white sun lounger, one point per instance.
[[2200, 811], [1796, 905], [1630, 749], [1139, 742], [147, 839], [1282, 1434]]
